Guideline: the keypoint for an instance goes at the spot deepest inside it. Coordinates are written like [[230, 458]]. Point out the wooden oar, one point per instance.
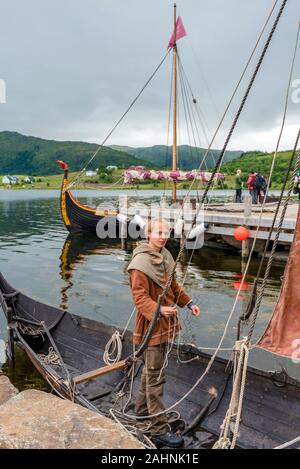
[[99, 372]]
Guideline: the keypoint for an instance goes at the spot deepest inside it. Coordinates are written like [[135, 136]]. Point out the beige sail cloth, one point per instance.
[[282, 335], [152, 263]]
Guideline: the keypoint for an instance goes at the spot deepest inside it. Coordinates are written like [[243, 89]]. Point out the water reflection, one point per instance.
[[76, 248]]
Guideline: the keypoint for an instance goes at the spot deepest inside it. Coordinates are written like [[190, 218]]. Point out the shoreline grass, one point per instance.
[[93, 183]]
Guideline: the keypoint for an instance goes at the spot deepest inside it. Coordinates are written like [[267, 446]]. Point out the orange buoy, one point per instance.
[[241, 233]]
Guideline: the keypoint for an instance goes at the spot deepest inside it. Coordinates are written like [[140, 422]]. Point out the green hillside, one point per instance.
[[20, 154], [261, 163], [188, 157]]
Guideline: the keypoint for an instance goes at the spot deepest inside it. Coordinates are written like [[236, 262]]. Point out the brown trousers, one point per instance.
[[150, 398]]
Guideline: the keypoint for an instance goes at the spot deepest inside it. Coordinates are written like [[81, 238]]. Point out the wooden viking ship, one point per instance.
[[271, 406], [76, 216]]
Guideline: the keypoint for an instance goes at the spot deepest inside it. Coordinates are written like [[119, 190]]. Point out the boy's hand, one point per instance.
[[195, 310]]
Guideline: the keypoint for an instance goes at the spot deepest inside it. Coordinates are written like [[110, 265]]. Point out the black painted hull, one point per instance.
[[78, 217]]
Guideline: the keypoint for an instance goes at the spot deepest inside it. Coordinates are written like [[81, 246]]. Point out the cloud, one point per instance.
[[71, 68]]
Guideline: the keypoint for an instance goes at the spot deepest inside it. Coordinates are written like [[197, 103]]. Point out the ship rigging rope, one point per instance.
[[222, 154], [169, 121], [189, 117], [238, 389], [253, 300], [239, 83], [189, 110], [225, 113], [261, 212], [220, 158], [212, 359], [288, 443], [113, 348], [72, 183], [270, 260], [287, 198]]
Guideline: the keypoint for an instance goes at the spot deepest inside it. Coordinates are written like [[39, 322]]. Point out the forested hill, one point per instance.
[[261, 163], [20, 154], [189, 157]]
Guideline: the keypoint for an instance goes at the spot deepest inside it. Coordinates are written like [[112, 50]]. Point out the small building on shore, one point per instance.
[[10, 179], [29, 179], [111, 168], [91, 173]]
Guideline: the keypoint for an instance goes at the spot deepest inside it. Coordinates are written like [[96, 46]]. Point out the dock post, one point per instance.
[[163, 205], [163, 202], [247, 214], [123, 235], [123, 226]]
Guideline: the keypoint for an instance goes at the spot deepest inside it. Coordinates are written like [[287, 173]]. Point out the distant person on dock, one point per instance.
[[260, 185], [297, 184], [238, 186], [252, 186], [268, 186], [149, 270]]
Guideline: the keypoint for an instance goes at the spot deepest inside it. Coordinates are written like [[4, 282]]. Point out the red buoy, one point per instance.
[[241, 233]]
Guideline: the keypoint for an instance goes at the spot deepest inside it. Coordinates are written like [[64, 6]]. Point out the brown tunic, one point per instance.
[[145, 294]]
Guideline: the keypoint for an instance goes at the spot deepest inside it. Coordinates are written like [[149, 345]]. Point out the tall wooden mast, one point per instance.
[[174, 152]]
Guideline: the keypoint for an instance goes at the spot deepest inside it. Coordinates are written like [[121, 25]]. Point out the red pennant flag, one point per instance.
[[180, 32]]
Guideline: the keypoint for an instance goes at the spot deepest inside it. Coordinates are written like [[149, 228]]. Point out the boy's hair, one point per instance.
[[151, 224]]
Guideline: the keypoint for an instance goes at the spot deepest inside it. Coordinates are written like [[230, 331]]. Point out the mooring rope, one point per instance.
[[234, 412]]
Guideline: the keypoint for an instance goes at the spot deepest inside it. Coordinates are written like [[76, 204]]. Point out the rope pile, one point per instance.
[[30, 330], [51, 358]]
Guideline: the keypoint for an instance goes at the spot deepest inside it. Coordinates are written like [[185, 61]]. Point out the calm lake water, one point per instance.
[[88, 276]]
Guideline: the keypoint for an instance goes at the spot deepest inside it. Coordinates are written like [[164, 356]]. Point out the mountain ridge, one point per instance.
[[189, 157], [22, 154]]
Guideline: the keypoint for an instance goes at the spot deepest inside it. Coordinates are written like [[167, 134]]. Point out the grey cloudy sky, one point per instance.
[[71, 68]]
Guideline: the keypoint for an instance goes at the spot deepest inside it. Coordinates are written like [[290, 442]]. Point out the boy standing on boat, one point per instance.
[[149, 270]]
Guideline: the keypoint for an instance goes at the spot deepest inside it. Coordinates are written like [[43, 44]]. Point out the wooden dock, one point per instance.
[[223, 218]]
